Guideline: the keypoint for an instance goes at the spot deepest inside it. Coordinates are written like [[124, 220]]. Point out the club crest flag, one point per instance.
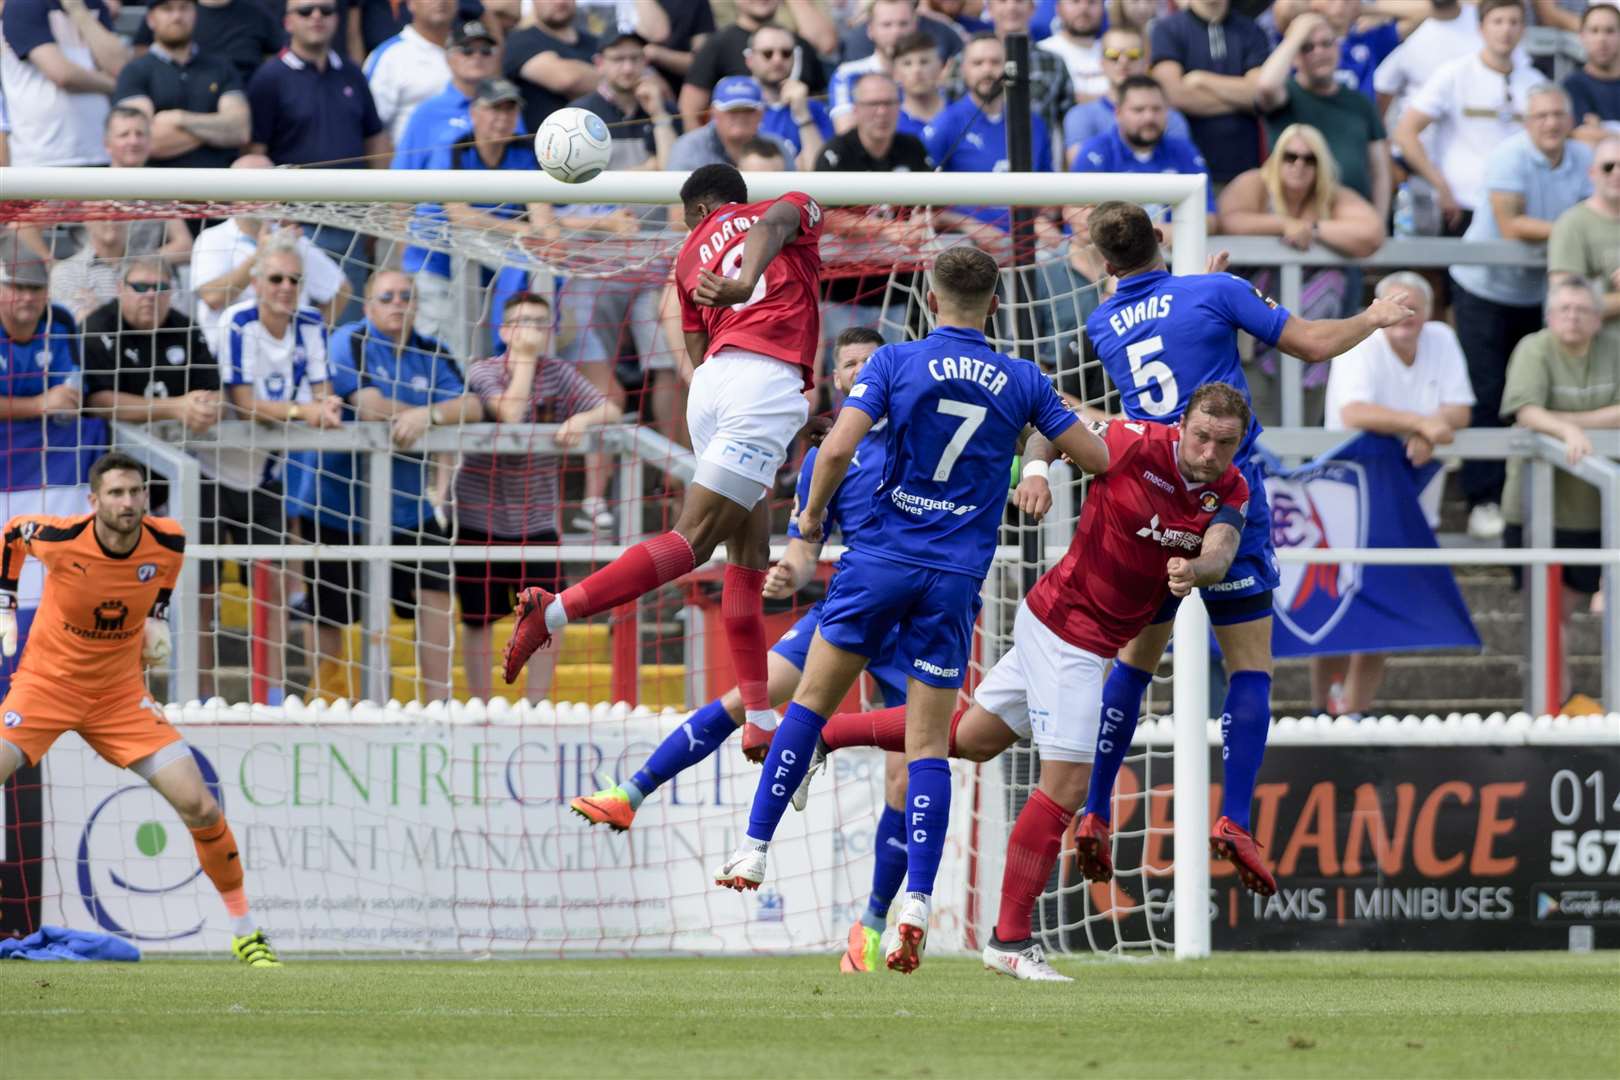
[[1363, 494]]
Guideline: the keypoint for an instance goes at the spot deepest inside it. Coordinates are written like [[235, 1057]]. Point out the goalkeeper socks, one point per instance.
[[1032, 850], [639, 571], [216, 851], [1121, 707], [699, 736], [889, 867], [883, 728], [742, 612], [1244, 726], [785, 766], [928, 812]]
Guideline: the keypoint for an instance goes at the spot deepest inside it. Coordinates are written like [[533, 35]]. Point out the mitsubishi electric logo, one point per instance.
[[1171, 538]]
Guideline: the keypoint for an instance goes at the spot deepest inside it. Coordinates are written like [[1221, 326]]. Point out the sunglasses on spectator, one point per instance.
[[773, 54], [309, 11], [1122, 54], [148, 286], [1291, 158], [1311, 46], [285, 279], [476, 50], [404, 296], [1608, 166]]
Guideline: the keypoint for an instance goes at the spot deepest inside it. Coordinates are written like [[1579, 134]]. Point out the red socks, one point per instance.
[[216, 850], [637, 572], [1031, 852], [884, 728], [742, 611]]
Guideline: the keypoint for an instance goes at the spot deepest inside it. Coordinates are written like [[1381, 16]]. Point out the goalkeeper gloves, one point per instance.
[[8, 623], [155, 647]]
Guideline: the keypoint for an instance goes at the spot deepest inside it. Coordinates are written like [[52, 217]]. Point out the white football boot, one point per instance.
[[744, 870], [1026, 961], [818, 761], [903, 943]]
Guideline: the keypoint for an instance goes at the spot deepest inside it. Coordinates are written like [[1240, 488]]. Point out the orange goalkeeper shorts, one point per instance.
[[123, 724]]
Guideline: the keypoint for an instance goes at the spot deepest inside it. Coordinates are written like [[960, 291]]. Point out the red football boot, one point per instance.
[[756, 742], [531, 633], [1231, 841], [1093, 848]]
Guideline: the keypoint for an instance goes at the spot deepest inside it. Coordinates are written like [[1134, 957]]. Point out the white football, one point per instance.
[[573, 145]]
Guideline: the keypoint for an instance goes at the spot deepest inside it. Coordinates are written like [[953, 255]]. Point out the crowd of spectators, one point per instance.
[[1331, 123]]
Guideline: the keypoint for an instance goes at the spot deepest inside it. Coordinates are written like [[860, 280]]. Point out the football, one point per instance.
[[573, 145]]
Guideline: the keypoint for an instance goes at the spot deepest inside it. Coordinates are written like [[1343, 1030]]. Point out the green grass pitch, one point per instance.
[[1298, 1015]]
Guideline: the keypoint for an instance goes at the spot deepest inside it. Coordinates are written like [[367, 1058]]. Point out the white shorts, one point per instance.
[[1047, 690], [743, 411]]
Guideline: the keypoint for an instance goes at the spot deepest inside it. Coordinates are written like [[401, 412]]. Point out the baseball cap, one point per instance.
[[621, 37], [19, 266], [471, 30], [738, 92], [495, 91]]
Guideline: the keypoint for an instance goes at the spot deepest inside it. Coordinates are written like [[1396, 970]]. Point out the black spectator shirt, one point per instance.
[[846, 153], [195, 86], [241, 33], [167, 362], [722, 55], [306, 115], [521, 47]]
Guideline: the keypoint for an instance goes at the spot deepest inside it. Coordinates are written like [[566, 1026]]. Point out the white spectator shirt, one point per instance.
[[277, 369], [49, 125], [1474, 108], [219, 249], [1084, 63], [1433, 43], [1372, 374], [403, 72]]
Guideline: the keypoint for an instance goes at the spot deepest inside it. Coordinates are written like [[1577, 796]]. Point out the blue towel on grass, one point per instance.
[[60, 943]]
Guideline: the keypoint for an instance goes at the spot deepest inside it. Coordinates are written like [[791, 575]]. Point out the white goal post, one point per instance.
[[1186, 195]]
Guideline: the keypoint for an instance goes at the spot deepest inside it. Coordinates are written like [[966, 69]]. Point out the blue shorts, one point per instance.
[[928, 615], [1245, 593], [794, 646]]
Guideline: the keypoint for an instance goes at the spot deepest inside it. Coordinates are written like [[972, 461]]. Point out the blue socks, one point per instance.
[[928, 812], [1244, 726], [785, 766], [701, 735], [1121, 708], [889, 866]]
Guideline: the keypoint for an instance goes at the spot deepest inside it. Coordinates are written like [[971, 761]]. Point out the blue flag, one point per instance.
[[1363, 494]]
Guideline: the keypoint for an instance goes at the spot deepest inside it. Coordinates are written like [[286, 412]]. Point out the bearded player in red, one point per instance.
[[1165, 517], [748, 278]]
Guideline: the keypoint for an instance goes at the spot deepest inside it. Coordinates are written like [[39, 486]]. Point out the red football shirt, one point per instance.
[[783, 317], [1138, 516]]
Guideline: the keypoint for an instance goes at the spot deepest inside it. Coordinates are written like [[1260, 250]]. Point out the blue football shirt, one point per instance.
[[956, 408], [851, 504], [1161, 337]]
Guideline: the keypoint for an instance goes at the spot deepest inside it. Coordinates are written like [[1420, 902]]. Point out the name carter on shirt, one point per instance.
[[970, 368]]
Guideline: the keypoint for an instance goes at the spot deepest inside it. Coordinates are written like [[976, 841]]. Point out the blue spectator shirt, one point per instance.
[[1095, 117], [519, 155], [1107, 153], [1161, 337], [1517, 167], [956, 408], [312, 117], [1599, 97], [911, 125], [1361, 53], [779, 121], [322, 485], [441, 119], [1230, 142], [42, 452], [963, 139]]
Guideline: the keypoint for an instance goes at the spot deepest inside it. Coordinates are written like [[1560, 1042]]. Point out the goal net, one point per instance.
[[349, 577]]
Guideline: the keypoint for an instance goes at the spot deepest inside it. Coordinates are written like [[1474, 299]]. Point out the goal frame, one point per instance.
[[1186, 194]]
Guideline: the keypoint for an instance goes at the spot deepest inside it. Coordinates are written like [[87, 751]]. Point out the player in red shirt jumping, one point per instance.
[[1164, 518], [748, 279]]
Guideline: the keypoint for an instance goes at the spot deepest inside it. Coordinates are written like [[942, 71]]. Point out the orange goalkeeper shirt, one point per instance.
[[90, 623]]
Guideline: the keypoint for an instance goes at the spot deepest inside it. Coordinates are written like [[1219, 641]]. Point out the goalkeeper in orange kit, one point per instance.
[[108, 578]]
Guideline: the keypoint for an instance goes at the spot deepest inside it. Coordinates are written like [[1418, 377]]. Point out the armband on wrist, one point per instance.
[[8, 601], [1033, 469]]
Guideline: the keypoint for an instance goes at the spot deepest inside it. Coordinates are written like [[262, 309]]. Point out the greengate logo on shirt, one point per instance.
[[1321, 507]]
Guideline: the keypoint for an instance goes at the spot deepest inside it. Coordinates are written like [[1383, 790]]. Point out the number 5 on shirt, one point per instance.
[[1153, 371]]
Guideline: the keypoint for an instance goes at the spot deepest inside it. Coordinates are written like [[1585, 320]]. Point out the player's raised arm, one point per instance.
[[1320, 340], [768, 236], [832, 463], [12, 557]]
